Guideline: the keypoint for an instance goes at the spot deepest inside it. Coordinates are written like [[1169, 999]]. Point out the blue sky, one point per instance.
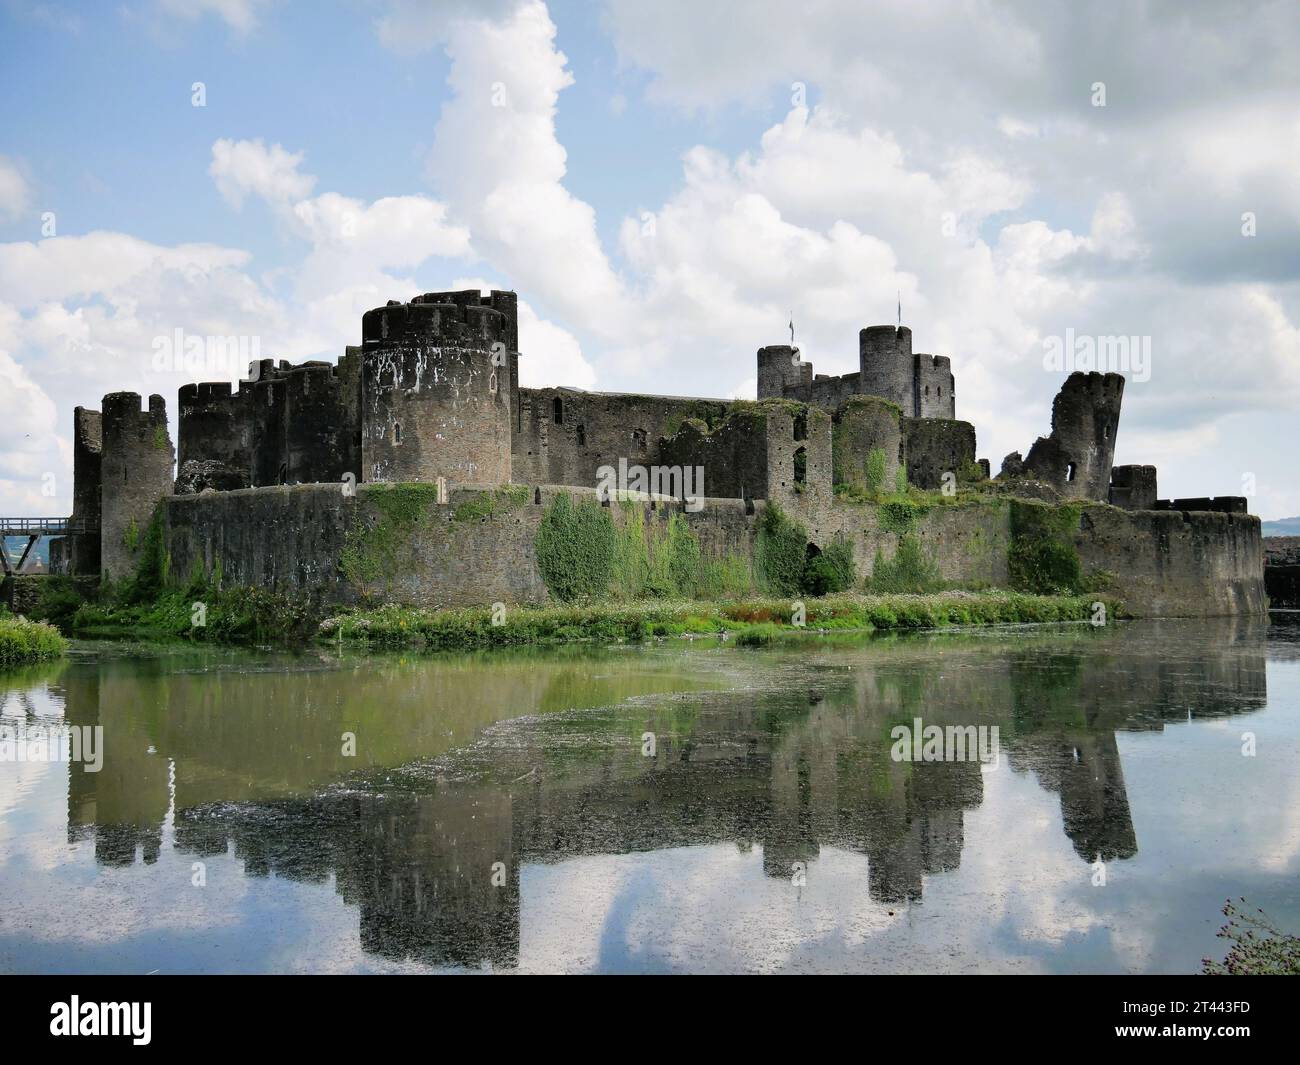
[[665, 184]]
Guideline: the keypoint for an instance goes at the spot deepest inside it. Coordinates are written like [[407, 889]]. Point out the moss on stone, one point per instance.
[[487, 505], [371, 551]]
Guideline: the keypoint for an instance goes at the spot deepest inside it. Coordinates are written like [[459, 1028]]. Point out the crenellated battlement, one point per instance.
[[438, 318], [921, 385]]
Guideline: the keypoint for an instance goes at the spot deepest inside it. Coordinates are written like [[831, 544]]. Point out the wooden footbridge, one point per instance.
[[33, 529]]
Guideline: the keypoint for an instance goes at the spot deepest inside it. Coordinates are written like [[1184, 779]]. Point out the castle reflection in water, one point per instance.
[[538, 759]]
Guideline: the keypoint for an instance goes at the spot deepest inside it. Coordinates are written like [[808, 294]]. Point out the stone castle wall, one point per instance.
[[292, 539]]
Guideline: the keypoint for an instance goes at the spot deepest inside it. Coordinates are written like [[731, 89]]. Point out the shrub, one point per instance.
[[1259, 947], [780, 552], [23, 641], [908, 571], [830, 571], [576, 547]]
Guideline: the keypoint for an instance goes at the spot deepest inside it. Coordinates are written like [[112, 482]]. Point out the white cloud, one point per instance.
[[240, 15], [243, 168], [15, 193]]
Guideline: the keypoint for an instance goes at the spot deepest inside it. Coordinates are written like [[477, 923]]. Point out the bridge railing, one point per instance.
[[46, 526]]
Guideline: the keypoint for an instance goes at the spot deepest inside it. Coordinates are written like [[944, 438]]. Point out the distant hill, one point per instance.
[[15, 544], [1282, 527]]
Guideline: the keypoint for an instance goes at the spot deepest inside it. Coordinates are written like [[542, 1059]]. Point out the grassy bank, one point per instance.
[[23, 642], [750, 622], [199, 612]]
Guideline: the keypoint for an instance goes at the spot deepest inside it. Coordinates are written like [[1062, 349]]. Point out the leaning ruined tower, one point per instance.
[[439, 388]]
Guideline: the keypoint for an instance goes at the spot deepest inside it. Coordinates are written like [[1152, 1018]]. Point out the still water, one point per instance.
[[658, 809]]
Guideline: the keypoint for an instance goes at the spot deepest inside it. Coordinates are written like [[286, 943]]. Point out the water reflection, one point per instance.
[[469, 770]]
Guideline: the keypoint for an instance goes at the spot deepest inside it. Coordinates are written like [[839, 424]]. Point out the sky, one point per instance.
[[666, 185]]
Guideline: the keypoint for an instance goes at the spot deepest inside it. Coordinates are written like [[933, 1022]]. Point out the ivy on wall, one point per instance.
[[786, 564], [1042, 557], [576, 547]]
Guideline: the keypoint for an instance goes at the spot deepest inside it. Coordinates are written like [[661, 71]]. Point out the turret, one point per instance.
[[886, 365], [781, 373], [437, 384], [136, 472]]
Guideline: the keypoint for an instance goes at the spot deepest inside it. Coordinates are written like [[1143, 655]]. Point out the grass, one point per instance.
[[23, 642], [753, 622], [201, 614]]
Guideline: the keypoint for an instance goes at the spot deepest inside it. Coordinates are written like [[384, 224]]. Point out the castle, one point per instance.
[[432, 395]]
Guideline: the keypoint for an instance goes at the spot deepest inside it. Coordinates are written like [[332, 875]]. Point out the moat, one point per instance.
[[668, 807]]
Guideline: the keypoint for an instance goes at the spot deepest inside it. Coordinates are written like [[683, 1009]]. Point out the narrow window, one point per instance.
[[582, 437], [1069, 472], [558, 411], [801, 426], [397, 432], [124, 475], [801, 466]]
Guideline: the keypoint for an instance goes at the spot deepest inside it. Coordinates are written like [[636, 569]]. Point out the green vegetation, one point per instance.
[[151, 565], [656, 561], [201, 613], [149, 606], [751, 622], [160, 438], [23, 642], [910, 570], [875, 471], [1042, 557], [830, 571], [576, 547], [374, 552], [59, 599], [787, 564], [780, 552], [486, 505], [1259, 947], [708, 414], [901, 514], [730, 577]]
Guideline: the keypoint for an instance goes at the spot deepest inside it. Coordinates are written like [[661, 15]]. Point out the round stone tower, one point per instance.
[[886, 365], [437, 382]]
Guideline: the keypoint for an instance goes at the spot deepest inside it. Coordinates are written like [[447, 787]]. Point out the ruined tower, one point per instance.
[[82, 550], [439, 377], [136, 472], [1077, 458]]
